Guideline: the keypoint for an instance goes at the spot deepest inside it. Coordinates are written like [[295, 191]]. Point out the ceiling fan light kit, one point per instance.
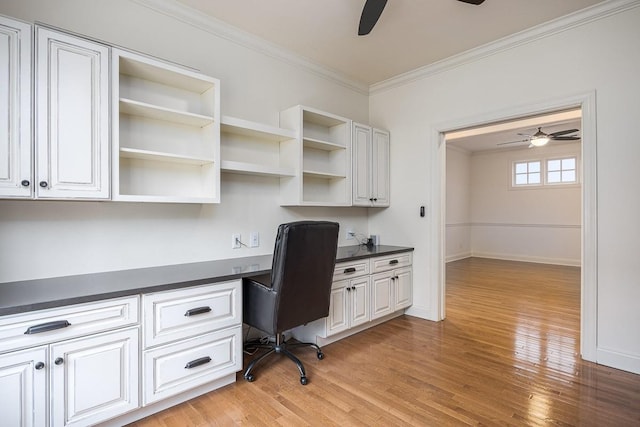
[[539, 141], [540, 138], [373, 9]]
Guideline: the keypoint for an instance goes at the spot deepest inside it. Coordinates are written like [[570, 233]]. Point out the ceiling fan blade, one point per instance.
[[524, 134], [563, 132], [370, 13], [512, 142], [476, 2], [566, 138]]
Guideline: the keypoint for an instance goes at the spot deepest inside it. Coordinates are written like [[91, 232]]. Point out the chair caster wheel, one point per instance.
[[249, 378], [320, 355], [304, 380]]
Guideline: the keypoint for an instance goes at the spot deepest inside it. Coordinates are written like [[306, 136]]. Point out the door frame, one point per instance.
[[586, 101]]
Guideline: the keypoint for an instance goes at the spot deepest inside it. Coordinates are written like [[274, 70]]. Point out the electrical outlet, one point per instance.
[[235, 240], [254, 239], [350, 234]]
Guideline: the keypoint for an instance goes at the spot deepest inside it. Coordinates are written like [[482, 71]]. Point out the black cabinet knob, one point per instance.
[[59, 361], [39, 365], [25, 183], [43, 184]]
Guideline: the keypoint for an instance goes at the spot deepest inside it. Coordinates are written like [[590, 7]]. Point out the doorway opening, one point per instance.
[[584, 106]]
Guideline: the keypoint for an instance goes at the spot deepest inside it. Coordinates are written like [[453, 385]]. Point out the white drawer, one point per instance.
[[390, 262], [51, 325], [178, 367], [183, 313], [349, 269]]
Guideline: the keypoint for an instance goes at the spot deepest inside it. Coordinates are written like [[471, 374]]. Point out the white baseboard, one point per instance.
[[420, 312], [527, 258], [617, 360], [458, 256]]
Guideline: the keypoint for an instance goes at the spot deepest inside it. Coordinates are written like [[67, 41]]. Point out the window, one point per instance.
[[526, 173], [541, 172], [561, 171]]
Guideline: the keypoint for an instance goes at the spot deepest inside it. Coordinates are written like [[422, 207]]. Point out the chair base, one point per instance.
[[280, 346]]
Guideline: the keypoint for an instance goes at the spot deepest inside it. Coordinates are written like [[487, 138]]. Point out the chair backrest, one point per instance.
[[304, 258]]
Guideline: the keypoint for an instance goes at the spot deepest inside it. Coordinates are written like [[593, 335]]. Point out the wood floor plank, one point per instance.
[[507, 354]]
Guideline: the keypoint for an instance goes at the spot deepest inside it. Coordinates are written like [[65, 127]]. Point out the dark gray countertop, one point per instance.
[[30, 295]]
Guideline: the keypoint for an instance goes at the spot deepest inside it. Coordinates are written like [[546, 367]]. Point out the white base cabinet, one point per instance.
[[192, 336], [70, 366], [23, 385], [364, 293], [94, 379]]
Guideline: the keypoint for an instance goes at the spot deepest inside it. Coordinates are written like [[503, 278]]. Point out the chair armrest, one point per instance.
[[259, 301]]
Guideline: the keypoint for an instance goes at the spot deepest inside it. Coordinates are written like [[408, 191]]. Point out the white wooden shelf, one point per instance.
[[255, 130], [231, 166], [322, 145], [144, 68], [257, 149], [143, 109], [320, 174], [134, 153]]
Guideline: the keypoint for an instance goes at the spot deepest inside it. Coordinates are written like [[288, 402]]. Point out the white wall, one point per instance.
[[458, 204], [536, 224], [44, 239], [600, 55]]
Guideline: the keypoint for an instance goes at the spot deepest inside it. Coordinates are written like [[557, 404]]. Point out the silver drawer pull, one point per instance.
[[199, 310], [393, 261], [45, 327], [198, 362], [349, 270]]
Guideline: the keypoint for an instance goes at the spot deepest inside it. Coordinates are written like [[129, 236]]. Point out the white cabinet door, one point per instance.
[[15, 109], [403, 288], [94, 379], [362, 192], [359, 301], [382, 294], [72, 117], [380, 168], [370, 166], [338, 319], [23, 388]]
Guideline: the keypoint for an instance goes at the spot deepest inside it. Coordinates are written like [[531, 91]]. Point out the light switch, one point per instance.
[[254, 239]]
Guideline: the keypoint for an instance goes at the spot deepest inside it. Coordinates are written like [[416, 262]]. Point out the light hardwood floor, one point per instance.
[[507, 354]]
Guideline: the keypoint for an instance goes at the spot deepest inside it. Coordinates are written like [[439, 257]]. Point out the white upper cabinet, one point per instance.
[[370, 166], [322, 153], [72, 117], [16, 178], [166, 132]]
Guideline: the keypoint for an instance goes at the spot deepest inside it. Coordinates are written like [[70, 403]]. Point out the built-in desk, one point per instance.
[[30, 295], [150, 337]]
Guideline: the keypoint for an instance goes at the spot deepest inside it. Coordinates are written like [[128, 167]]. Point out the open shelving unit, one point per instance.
[[252, 148], [166, 132], [323, 150]]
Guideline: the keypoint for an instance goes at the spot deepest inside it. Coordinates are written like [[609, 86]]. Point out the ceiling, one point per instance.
[[410, 33], [484, 138]]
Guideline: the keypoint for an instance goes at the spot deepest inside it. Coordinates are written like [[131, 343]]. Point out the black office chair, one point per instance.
[[296, 292]]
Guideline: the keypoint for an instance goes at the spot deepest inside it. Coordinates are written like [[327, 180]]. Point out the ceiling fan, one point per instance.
[[540, 138], [373, 9]]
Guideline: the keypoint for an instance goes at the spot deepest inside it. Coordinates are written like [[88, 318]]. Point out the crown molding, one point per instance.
[[581, 17], [223, 30]]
